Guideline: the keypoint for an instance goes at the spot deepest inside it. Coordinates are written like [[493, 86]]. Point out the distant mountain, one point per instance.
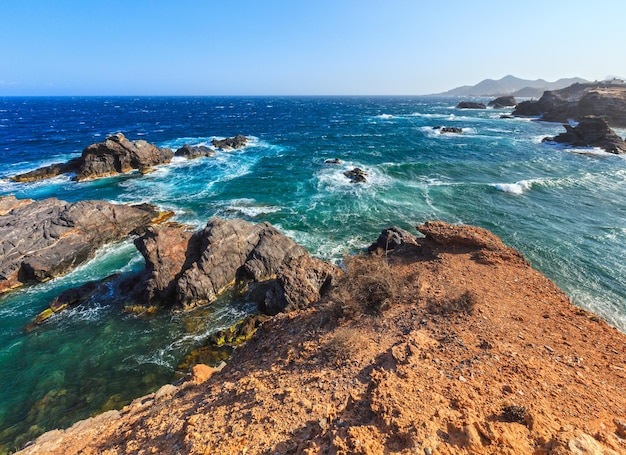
[[511, 85]]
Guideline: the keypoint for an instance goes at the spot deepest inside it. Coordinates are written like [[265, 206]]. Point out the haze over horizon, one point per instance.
[[280, 47]]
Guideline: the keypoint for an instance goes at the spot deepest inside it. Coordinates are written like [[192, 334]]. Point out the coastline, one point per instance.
[[520, 370]]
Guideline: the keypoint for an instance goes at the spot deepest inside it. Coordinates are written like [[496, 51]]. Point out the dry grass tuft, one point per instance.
[[367, 287]]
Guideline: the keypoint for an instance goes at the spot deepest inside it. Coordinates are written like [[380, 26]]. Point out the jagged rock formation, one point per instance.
[[113, 156], [230, 143], [603, 99], [194, 151], [470, 105], [43, 239], [591, 132], [503, 101], [187, 269]]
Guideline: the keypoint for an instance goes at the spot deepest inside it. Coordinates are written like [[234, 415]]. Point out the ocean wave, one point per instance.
[[249, 208], [515, 188]]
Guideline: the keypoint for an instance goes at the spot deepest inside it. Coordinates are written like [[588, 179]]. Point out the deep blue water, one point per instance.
[[565, 210]]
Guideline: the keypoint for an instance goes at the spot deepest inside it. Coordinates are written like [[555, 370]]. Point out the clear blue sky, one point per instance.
[[300, 47]]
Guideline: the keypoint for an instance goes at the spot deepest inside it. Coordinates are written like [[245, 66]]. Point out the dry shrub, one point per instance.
[[459, 302], [367, 287]]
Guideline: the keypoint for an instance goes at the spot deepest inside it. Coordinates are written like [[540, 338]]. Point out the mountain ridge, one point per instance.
[[511, 85]]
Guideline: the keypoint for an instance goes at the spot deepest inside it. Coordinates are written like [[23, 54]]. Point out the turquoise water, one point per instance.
[[563, 208]]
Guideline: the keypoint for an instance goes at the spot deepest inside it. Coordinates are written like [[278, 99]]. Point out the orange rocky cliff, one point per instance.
[[444, 344]]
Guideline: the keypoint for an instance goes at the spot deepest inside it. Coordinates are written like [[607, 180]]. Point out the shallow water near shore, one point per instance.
[[563, 209]]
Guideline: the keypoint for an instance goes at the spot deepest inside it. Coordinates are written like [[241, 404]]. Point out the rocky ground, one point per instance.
[[450, 344]]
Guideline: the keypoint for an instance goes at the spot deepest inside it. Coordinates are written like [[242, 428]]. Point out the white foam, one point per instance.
[[250, 208], [384, 116], [514, 188]]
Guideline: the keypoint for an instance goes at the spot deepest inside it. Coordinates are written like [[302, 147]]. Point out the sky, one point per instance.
[[300, 47]]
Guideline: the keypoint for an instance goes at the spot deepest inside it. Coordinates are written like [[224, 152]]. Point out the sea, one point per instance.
[[564, 208]]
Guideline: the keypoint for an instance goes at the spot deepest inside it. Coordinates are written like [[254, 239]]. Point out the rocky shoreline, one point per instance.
[[603, 99], [40, 240], [446, 343]]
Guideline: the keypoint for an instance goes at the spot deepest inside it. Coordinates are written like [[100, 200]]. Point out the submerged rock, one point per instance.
[[470, 105], [194, 151], [591, 132], [230, 143], [332, 161], [115, 155], [43, 239]]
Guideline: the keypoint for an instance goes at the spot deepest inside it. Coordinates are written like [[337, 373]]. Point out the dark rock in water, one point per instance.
[[356, 175], [44, 239], [602, 99], [115, 155], [230, 143], [503, 101], [392, 238], [192, 152], [591, 132], [50, 171], [470, 105], [118, 155], [189, 269], [450, 129], [505, 116], [73, 297], [332, 161], [527, 109]]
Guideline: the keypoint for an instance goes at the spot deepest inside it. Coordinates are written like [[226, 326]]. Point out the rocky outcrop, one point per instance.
[[606, 100], [356, 175], [188, 269], [230, 143], [116, 155], [194, 151], [485, 246], [591, 132], [392, 238], [470, 105], [44, 239], [503, 101]]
